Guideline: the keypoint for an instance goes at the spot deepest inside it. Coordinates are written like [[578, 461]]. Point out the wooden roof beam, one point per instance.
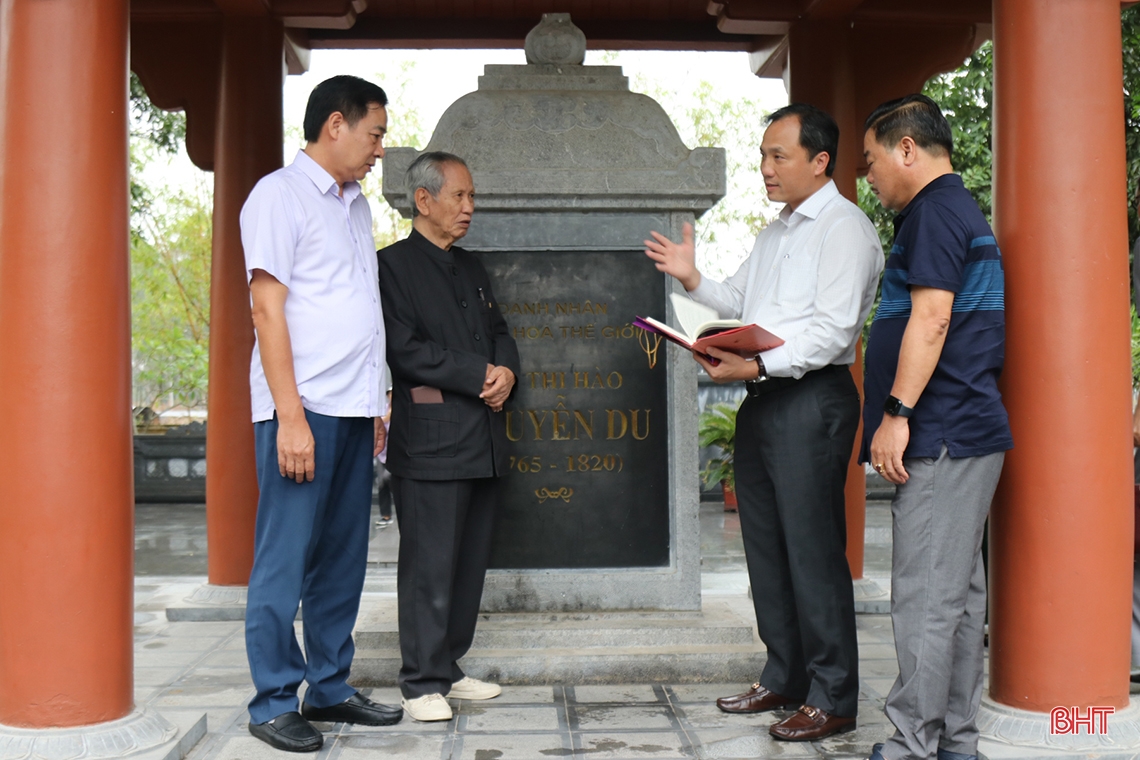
[[754, 17], [751, 14], [770, 57], [830, 10], [243, 7], [601, 34], [319, 14]]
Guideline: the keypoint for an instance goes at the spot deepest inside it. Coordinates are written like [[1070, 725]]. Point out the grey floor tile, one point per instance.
[[212, 676], [166, 644], [222, 659], [194, 696], [203, 628], [628, 694], [709, 716], [153, 659], [510, 719], [143, 694], [748, 745], [707, 692], [878, 668], [156, 676], [402, 746], [243, 748], [855, 744], [658, 744], [609, 717], [880, 686], [526, 695], [513, 747]]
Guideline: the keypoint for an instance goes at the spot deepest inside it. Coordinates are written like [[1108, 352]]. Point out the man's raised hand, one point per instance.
[[675, 259]]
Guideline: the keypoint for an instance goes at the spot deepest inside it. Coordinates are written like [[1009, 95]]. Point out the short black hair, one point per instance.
[[915, 116], [818, 131], [351, 96]]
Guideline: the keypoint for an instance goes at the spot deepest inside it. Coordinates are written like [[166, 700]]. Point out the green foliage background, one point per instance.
[[170, 268]]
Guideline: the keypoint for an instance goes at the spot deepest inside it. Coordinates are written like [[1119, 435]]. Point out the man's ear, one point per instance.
[[334, 125], [420, 199], [908, 149], [820, 162]]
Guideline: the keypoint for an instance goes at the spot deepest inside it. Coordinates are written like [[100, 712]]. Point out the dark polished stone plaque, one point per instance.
[[588, 425]]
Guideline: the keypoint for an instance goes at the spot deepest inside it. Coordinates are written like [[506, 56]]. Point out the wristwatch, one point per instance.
[[753, 386], [896, 408]]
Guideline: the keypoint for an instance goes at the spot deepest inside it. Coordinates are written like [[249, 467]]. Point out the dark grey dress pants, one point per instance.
[[793, 445], [445, 545]]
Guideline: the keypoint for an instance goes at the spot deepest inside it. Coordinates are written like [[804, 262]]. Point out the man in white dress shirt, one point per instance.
[[811, 279], [317, 381]]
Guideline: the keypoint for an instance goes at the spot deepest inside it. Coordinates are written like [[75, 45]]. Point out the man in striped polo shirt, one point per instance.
[[934, 424]]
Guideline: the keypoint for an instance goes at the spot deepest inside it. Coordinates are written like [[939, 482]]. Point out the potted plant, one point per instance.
[[717, 427]]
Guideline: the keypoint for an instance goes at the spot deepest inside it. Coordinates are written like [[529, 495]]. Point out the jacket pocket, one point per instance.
[[434, 430]]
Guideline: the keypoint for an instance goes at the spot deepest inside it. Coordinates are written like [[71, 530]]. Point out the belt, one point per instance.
[[761, 388]]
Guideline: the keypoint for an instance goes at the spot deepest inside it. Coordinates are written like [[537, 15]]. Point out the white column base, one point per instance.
[[141, 731], [1008, 732]]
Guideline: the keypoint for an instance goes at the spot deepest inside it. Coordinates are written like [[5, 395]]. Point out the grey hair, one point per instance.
[[427, 172]]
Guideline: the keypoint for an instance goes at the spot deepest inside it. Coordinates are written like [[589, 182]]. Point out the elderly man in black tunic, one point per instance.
[[454, 364]]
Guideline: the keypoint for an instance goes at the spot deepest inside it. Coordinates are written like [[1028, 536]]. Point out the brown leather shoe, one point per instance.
[[810, 723], [756, 700]]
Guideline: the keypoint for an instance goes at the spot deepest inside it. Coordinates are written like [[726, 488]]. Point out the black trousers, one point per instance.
[[793, 445], [445, 545]]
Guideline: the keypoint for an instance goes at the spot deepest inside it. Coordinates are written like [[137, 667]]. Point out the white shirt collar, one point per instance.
[[814, 204], [322, 179]]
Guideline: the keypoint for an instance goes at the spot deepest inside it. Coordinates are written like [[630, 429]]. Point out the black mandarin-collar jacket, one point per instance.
[[443, 329]]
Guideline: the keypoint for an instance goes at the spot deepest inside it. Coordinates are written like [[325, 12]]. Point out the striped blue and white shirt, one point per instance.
[[942, 240]]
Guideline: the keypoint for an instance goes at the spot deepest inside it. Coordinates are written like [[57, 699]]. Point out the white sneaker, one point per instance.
[[427, 708], [471, 688]]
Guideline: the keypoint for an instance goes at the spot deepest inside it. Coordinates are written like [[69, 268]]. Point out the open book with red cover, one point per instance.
[[701, 327]]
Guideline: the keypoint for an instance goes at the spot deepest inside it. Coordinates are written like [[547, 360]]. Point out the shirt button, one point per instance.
[[463, 304], [477, 336], [455, 271]]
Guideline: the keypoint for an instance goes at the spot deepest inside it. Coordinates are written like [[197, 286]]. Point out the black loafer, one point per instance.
[[356, 709], [290, 732]]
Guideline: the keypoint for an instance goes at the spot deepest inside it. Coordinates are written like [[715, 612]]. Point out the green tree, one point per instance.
[[170, 302], [170, 267], [152, 132]]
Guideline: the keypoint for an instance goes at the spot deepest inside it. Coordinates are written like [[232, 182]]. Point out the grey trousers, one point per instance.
[[938, 603]]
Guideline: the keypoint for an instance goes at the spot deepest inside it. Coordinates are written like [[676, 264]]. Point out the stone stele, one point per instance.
[[567, 160]]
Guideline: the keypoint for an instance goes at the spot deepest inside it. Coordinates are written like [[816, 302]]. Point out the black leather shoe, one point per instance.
[[290, 732], [356, 709]]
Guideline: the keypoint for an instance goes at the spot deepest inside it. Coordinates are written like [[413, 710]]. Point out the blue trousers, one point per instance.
[[310, 548]]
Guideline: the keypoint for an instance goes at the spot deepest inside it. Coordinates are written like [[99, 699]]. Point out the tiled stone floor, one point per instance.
[[200, 667]]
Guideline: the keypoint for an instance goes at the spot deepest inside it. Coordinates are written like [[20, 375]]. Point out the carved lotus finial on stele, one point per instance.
[[556, 41]]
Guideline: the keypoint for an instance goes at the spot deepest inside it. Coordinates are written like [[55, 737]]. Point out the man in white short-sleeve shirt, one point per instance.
[[317, 384], [811, 279]]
